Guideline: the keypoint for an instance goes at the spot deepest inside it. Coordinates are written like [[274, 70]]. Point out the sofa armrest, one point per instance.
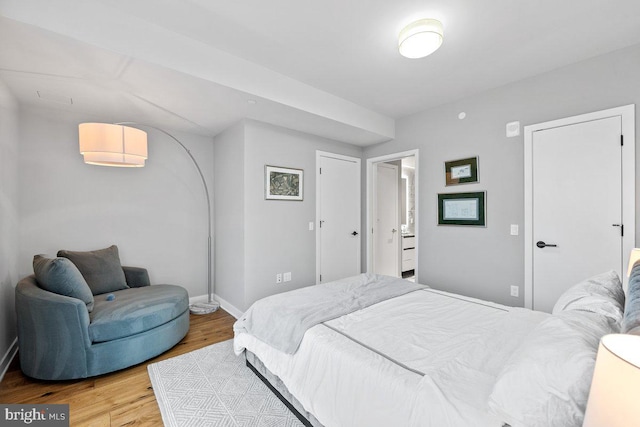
[[136, 277], [53, 334]]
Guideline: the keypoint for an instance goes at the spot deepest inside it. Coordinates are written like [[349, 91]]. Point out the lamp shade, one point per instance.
[[420, 38], [615, 388], [112, 145]]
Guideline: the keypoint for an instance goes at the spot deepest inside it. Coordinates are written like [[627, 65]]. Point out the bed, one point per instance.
[[378, 351]]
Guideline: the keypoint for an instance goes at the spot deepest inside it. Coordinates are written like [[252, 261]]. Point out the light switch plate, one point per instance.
[[514, 229], [287, 276]]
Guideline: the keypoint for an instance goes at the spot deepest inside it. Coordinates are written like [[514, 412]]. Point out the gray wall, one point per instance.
[[276, 236], [156, 214], [485, 262], [229, 216], [8, 219]]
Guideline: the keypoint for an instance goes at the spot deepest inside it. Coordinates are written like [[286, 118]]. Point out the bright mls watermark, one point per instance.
[[34, 415]]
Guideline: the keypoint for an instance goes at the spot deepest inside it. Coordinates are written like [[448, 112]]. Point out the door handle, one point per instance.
[[355, 233], [542, 244], [393, 230]]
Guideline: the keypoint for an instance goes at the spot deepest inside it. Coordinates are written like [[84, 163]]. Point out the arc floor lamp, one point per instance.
[[121, 145]]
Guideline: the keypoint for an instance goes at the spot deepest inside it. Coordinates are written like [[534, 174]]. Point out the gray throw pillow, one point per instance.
[[61, 276], [101, 269]]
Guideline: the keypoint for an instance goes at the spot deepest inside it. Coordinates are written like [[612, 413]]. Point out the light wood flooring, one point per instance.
[[123, 398]]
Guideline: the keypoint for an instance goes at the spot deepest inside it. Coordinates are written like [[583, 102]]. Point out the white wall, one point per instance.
[[9, 241], [156, 214], [410, 173], [485, 262]]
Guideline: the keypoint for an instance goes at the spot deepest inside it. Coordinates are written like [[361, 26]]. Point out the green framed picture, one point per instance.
[[283, 183], [462, 208], [463, 171]]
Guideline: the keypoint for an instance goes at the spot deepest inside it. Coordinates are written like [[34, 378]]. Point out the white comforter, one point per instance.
[[428, 358]]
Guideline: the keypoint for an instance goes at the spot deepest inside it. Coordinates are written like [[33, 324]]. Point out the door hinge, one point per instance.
[[621, 139], [320, 171], [621, 228], [321, 277]]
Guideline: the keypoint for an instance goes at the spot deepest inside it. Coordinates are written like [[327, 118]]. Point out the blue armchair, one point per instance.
[[60, 339]]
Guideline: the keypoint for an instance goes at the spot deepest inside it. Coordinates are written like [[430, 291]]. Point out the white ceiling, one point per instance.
[[330, 68]]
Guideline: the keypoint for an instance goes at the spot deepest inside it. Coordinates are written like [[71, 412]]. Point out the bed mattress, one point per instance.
[[427, 358]]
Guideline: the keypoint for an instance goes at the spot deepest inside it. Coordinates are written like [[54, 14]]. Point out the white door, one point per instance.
[[338, 213], [386, 243], [577, 206]]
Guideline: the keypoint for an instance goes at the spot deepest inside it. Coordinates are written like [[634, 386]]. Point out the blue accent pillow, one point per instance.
[[61, 276], [100, 268], [631, 320]]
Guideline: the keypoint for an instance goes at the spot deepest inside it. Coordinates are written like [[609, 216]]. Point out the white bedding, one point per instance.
[[428, 358]]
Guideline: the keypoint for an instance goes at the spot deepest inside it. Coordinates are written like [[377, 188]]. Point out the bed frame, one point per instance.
[[278, 388]]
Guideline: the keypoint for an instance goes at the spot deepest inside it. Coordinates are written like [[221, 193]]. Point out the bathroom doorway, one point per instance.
[[392, 212]]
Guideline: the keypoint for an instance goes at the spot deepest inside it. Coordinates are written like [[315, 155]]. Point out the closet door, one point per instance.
[[576, 204], [338, 212]]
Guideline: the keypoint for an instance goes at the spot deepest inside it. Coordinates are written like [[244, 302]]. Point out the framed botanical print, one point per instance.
[[462, 209], [283, 183], [463, 171]]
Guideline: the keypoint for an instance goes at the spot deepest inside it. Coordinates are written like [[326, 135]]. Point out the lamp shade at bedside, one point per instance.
[[615, 389]]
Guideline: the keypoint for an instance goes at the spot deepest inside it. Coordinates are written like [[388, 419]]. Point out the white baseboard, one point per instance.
[[224, 304], [8, 358]]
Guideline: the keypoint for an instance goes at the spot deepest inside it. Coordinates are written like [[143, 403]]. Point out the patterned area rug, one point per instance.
[[213, 387]]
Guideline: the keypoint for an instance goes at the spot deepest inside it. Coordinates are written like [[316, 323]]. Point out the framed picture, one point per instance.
[[463, 171], [283, 183], [462, 209]]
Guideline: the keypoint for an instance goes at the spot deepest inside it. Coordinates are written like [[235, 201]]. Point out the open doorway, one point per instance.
[[392, 212]]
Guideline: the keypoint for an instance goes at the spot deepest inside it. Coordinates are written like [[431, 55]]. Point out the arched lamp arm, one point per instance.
[[210, 289]]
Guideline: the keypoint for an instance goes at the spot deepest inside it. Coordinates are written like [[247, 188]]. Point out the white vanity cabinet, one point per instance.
[[408, 252]]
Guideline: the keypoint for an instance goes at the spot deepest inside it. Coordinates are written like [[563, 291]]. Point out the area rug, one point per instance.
[[213, 387]]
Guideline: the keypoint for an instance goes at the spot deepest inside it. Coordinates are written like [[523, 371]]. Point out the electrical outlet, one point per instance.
[[287, 277], [279, 278], [515, 291]]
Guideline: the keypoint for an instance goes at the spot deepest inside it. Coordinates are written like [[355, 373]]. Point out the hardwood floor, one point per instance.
[[123, 398]]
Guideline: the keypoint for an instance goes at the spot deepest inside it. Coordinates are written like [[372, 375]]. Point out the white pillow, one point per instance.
[[546, 380], [602, 294]]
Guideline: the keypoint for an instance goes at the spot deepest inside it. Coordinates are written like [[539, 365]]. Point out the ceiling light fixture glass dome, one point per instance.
[[420, 38]]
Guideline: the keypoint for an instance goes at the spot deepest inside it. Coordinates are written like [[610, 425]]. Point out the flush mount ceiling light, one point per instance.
[[420, 38]]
